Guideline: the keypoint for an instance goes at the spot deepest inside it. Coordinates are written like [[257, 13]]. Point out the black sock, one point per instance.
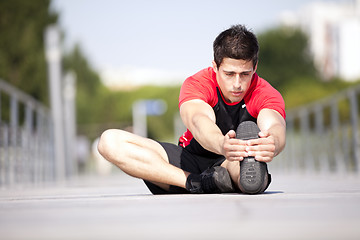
[[193, 183]]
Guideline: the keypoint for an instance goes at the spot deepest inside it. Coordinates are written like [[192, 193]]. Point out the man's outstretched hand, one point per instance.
[[263, 148], [233, 149]]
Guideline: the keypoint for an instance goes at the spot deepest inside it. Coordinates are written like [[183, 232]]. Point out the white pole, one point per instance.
[[53, 56], [70, 122], [139, 118]]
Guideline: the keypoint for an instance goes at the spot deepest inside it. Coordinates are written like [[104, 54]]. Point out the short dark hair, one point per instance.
[[236, 42]]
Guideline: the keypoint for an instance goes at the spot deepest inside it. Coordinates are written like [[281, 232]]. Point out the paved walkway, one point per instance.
[[120, 207]]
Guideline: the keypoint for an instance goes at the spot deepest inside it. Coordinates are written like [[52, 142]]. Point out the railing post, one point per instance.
[[338, 158], [20, 148], [2, 150], [320, 144], [290, 149], [5, 155], [305, 136], [28, 157], [355, 129], [14, 121]]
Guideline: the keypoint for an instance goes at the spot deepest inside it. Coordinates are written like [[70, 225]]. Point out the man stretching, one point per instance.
[[235, 124]]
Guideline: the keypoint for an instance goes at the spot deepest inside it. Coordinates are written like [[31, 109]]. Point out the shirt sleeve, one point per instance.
[[199, 86], [264, 96]]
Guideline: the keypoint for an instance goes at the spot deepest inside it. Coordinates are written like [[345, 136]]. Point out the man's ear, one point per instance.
[[214, 66], [255, 68]]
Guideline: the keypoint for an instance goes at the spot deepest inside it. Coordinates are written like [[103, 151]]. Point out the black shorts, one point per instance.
[[182, 158]]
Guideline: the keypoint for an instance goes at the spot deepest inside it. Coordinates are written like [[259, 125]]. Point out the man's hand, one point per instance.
[[232, 148], [263, 148]]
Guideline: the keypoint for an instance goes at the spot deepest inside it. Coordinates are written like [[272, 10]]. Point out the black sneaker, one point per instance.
[[213, 180], [253, 174]]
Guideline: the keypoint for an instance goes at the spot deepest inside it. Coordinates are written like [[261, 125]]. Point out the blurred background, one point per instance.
[[71, 69]]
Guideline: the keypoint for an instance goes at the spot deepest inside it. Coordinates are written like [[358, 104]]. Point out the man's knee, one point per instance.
[[102, 144], [109, 142]]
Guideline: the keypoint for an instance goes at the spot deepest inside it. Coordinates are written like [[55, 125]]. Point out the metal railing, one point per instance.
[[26, 141], [323, 137]]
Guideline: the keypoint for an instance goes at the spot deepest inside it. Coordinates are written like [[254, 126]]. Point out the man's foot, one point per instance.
[[253, 174], [213, 180]]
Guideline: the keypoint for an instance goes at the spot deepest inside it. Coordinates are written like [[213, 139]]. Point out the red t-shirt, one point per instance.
[[203, 86]]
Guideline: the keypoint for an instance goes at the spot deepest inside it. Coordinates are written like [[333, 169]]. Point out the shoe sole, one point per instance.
[[252, 172]]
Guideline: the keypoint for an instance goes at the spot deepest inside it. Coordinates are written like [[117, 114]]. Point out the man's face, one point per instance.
[[234, 78]]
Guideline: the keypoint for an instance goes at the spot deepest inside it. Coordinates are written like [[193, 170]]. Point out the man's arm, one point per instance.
[[272, 136], [199, 118]]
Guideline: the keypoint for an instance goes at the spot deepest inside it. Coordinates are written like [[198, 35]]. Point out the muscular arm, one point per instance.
[[199, 118], [272, 122], [272, 136]]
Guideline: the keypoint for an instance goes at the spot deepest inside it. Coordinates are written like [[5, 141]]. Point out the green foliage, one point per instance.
[[88, 85], [117, 108], [22, 58], [99, 108], [306, 90], [283, 57], [285, 62]]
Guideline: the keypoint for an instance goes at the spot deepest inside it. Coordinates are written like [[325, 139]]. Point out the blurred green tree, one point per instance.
[[285, 61], [22, 57], [99, 107], [284, 57], [88, 86]]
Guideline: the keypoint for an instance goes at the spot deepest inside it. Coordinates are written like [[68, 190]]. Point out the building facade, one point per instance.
[[334, 36]]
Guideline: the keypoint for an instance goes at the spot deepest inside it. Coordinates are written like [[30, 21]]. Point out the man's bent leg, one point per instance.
[[254, 177], [140, 157], [233, 168], [249, 175]]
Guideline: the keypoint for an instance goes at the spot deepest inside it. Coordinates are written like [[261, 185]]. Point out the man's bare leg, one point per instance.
[[233, 168], [141, 158]]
